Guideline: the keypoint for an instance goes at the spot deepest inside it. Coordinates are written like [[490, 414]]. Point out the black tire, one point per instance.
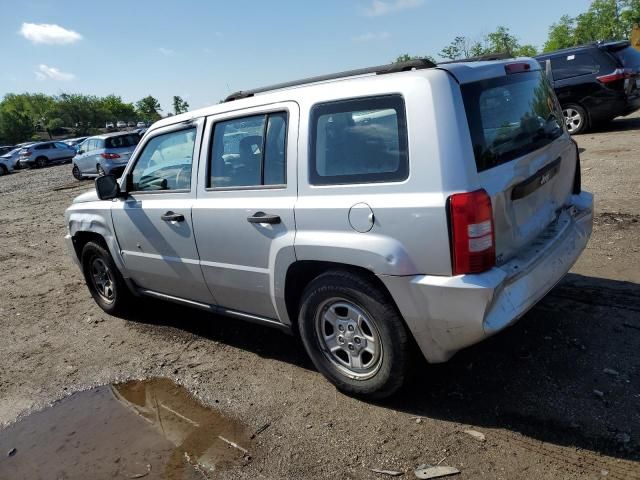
[[75, 171], [40, 162], [576, 118], [120, 301], [330, 292], [4, 170]]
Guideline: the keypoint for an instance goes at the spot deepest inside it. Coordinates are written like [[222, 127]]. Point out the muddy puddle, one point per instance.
[[150, 429]]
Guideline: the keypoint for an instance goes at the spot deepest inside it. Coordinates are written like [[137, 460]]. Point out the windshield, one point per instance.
[[510, 116], [122, 141]]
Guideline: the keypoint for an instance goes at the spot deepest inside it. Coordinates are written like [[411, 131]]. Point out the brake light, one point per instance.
[[617, 74], [109, 156], [26, 153], [517, 67], [472, 240]]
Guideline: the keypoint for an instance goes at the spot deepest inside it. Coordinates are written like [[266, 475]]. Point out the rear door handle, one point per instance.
[[172, 217], [261, 217]]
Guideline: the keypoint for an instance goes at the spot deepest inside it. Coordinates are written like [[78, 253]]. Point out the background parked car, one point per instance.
[[45, 153], [109, 126], [6, 149], [12, 157], [5, 166], [104, 154], [141, 124], [121, 124], [131, 124], [595, 82], [74, 142]]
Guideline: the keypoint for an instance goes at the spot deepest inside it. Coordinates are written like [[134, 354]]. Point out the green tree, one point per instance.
[[15, 126], [405, 57], [149, 109], [561, 34], [116, 109], [179, 105], [460, 48]]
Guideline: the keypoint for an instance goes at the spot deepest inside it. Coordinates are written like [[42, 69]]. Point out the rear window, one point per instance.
[[122, 141], [510, 116], [629, 57]]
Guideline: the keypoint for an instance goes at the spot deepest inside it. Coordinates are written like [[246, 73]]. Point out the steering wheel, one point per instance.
[[183, 175]]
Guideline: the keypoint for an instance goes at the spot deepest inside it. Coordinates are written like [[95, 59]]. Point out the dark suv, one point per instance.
[[595, 82]]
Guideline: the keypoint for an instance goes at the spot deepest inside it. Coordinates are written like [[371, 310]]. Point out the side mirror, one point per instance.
[[107, 187], [80, 152]]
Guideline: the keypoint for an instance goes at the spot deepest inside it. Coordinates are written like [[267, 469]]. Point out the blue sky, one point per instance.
[[201, 50]]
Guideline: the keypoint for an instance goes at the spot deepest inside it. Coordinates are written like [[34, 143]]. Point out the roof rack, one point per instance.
[[415, 64], [481, 58]]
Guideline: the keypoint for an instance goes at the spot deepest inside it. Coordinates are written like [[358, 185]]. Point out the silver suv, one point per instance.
[[370, 212], [45, 153], [104, 154]]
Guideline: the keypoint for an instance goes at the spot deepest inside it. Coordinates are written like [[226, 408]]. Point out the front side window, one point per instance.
[[165, 163], [359, 141], [510, 116], [249, 152]]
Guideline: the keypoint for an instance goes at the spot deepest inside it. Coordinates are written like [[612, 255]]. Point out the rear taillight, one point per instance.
[[109, 156], [617, 74], [26, 153], [472, 240]]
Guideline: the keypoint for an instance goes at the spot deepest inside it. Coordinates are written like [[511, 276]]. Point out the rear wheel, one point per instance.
[[105, 283], [354, 334], [75, 171], [4, 170], [575, 118], [41, 162]]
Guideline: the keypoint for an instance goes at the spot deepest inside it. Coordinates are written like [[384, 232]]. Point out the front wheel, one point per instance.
[[104, 280], [354, 334], [575, 118], [75, 171]]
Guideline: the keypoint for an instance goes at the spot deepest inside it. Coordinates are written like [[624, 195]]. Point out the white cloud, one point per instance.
[[166, 51], [370, 36], [380, 7], [44, 72], [48, 33]]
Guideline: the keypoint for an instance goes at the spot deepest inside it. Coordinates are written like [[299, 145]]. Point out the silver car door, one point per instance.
[[243, 216], [153, 222]]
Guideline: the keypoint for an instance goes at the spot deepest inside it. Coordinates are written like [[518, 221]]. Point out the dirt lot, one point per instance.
[[557, 395]]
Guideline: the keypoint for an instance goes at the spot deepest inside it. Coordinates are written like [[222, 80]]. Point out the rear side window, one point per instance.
[[510, 116], [361, 140], [122, 141], [249, 152], [573, 65], [629, 57]]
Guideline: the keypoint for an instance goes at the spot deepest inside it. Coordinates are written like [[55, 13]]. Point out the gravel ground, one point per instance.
[[556, 396]]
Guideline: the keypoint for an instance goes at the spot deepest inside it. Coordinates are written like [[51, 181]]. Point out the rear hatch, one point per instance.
[[525, 160], [627, 76], [122, 145]]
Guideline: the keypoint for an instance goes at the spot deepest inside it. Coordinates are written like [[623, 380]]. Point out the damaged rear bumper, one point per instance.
[[446, 314]]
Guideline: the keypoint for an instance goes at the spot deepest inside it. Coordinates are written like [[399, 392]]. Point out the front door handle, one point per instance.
[[261, 217], [172, 217]]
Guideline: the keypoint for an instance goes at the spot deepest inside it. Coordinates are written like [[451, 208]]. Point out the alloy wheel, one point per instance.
[[573, 119], [102, 279], [348, 338]]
